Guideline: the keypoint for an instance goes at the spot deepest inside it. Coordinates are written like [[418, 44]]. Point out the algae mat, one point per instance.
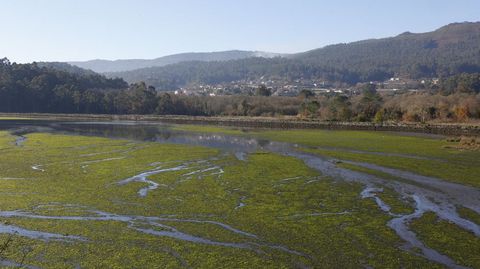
[[88, 202]]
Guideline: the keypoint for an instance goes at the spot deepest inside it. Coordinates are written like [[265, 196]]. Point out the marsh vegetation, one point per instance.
[[88, 195]]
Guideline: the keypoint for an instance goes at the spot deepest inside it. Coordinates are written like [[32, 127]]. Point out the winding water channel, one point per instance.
[[428, 194]]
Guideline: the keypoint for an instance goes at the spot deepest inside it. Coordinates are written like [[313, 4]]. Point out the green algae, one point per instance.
[[285, 204], [469, 214], [429, 156], [461, 245]]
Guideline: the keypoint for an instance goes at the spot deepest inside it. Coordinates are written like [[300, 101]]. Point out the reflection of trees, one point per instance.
[[164, 135], [263, 142], [134, 132]]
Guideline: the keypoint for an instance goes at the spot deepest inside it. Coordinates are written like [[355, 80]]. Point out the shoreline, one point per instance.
[[261, 122]]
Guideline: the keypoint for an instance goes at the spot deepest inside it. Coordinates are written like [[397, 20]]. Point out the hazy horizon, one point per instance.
[[78, 31]]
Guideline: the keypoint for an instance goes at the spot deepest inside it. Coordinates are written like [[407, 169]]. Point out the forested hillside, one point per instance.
[[178, 75], [450, 50], [32, 88]]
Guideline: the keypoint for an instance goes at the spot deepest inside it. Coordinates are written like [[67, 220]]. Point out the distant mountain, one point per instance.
[[104, 66], [450, 50]]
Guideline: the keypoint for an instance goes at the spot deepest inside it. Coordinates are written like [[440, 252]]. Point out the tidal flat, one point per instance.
[[126, 196]]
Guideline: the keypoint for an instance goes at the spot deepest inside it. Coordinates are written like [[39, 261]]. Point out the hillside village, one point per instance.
[[284, 87]]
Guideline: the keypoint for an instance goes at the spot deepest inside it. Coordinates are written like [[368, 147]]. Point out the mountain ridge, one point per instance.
[[449, 50], [106, 66]]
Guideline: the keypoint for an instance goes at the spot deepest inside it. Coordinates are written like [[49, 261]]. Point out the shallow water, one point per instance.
[[11, 264], [147, 225], [14, 230], [429, 194], [143, 177]]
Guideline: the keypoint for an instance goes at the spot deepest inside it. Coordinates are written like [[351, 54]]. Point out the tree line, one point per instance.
[[453, 99], [30, 88]]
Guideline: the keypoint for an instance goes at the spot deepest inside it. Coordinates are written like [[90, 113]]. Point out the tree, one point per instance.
[[461, 112], [379, 116], [310, 108], [165, 105], [370, 103], [143, 99], [5, 62], [305, 94], [92, 101], [263, 91], [339, 108]]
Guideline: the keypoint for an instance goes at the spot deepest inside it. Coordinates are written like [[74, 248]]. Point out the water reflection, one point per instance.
[[153, 132]]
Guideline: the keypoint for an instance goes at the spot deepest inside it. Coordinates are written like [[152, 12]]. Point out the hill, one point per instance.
[[450, 50], [46, 88], [104, 66]]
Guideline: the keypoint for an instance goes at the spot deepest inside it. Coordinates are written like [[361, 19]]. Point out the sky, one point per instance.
[[71, 30]]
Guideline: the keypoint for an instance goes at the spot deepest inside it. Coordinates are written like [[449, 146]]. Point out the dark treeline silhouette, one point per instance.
[[32, 88]]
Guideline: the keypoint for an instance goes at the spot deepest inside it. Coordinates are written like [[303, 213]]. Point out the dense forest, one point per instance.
[[450, 50], [32, 88]]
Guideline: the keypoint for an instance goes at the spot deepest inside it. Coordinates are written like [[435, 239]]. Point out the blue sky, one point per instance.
[[61, 30]]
